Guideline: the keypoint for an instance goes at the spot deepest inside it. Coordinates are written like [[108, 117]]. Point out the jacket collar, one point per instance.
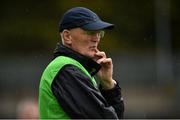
[[91, 66]]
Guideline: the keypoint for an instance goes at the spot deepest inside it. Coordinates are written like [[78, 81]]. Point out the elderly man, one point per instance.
[[67, 87]]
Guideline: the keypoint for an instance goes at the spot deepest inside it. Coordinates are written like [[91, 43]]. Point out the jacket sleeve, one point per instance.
[[78, 97], [114, 98]]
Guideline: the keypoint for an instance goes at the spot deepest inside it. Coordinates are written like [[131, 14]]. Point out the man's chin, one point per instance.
[[91, 55]]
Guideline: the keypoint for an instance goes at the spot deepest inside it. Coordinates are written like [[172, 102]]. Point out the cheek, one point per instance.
[[80, 45]]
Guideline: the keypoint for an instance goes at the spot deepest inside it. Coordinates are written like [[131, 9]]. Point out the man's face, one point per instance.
[[85, 42]]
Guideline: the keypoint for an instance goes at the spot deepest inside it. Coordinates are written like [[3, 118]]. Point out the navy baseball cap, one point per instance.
[[83, 18]]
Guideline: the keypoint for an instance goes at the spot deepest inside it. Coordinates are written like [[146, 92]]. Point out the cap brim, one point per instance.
[[98, 25]]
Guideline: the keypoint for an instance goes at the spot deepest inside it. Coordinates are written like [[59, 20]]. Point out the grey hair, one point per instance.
[[62, 39]]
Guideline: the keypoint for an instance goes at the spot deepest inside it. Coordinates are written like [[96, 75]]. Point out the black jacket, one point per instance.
[[76, 94]]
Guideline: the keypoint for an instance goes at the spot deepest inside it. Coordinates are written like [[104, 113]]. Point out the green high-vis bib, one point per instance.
[[48, 104]]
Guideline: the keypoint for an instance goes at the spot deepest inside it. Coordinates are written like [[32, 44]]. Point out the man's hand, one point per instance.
[[105, 73]]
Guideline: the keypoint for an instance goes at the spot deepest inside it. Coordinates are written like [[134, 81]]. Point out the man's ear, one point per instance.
[[67, 37]]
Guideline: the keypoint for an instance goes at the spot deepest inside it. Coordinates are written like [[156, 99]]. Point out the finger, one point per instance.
[[99, 61], [107, 60], [101, 54]]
